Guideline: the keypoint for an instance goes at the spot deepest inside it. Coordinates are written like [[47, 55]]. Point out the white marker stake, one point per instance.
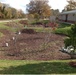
[[6, 44], [19, 33], [13, 38]]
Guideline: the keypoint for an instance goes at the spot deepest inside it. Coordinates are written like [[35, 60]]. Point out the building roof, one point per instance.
[[69, 12]]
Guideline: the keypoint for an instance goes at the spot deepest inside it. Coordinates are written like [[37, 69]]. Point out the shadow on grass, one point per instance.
[[40, 68]]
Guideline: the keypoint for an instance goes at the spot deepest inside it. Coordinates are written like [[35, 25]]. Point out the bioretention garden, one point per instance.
[[35, 48], [36, 38]]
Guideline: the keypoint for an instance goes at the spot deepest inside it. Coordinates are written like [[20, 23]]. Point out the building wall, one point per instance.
[[52, 18], [71, 18], [62, 17]]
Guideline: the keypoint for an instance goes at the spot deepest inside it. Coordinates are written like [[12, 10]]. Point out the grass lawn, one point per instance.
[[63, 29], [36, 67], [5, 27], [2, 26], [40, 29], [1, 34]]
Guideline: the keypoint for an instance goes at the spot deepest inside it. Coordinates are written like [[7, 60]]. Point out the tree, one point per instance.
[[55, 12], [9, 12], [2, 10], [20, 14], [39, 8], [71, 5]]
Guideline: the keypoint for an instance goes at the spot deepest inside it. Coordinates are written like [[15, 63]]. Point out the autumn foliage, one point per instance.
[[39, 8], [52, 25], [24, 22]]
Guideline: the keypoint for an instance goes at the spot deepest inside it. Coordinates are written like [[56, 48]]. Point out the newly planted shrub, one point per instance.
[[24, 22], [72, 39], [67, 42], [53, 25]]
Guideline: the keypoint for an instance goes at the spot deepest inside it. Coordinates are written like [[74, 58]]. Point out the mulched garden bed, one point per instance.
[[38, 46]]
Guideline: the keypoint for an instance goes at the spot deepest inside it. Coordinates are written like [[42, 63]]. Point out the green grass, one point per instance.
[[63, 30], [40, 29], [63, 25], [35, 67], [3, 26], [1, 34]]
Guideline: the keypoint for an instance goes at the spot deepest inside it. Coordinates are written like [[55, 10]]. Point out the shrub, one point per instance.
[[24, 22], [67, 42], [53, 25], [72, 38], [37, 23]]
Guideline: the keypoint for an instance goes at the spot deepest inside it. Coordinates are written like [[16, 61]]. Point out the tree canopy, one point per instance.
[[39, 8], [7, 12], [55, 12], [71, 5]]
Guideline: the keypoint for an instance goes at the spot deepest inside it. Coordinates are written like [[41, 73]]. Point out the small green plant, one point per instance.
[[67, 42]]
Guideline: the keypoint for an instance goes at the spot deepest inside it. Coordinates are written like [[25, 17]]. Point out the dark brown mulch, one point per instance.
[[31, 47], [29, 31]]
